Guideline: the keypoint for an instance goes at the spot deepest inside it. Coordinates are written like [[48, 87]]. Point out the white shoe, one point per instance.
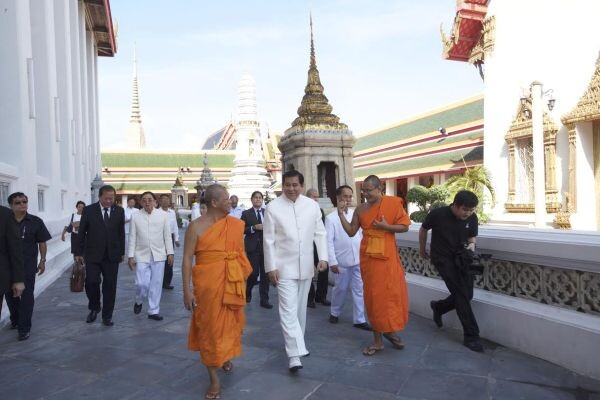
[[295, 364]]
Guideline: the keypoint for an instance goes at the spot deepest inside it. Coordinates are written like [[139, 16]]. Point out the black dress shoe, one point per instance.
[[23, 336], [248, 299], [155, 317], [333, 319], [91, 316], [107, 322], [364, 326], [474, 345], [437, 316], [312, 304], [325, 302], [266, 304], [168, 287], [137, 308], [14, 325]]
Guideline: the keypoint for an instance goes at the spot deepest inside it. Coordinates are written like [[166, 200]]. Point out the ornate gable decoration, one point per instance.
[[588, 107], [522, 127]]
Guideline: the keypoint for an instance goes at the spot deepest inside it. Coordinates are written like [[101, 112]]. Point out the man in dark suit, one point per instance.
[[12, 273], [319, 295], [253, 243], [102, 246]]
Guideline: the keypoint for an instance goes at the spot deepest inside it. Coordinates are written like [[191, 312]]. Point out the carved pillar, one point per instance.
[[552, 205], [572, 165], [511, 171]]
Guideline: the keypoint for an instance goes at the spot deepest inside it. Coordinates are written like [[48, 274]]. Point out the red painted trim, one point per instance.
[[110, 26], [437, 137], [447, 149]]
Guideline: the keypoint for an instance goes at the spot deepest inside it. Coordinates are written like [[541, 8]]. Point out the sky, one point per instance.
[[379, 61]]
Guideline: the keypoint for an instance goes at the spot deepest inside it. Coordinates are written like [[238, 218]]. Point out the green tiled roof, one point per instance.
[[456, 116], [153, 160], [426, 146], [137, 186], [430, 162]]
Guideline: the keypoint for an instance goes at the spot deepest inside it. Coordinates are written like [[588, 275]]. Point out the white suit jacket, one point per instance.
[[150, 236], [289, 230]]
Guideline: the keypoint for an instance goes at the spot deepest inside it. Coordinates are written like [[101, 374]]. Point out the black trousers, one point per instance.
[[21, 308], [257, 260], [460, 284], [104, 272], [320, 293], [168, 274]]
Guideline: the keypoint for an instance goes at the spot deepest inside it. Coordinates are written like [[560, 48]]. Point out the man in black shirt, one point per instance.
[[454, 229], [34, 235]]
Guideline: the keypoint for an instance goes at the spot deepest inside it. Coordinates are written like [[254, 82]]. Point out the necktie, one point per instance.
[[258, 216], [105, 216]]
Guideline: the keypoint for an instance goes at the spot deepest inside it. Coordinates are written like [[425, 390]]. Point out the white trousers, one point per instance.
[[293, 295], [348, 276], [148, 284]]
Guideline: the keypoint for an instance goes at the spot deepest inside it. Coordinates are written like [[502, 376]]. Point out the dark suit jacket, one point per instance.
[[11, 251], [95, 239], [253, 241]]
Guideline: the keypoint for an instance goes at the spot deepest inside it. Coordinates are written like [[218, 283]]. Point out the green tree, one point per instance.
[[426, 199], [479, 181]]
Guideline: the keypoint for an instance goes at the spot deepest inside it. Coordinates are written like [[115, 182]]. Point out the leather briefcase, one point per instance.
[[77, 277]]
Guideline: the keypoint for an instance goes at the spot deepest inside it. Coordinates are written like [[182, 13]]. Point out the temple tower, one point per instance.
[[318, 144], [249, 172], [135, 133]]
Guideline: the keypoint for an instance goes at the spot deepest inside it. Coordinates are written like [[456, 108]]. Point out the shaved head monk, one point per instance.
[[214, 286], [385, 293]]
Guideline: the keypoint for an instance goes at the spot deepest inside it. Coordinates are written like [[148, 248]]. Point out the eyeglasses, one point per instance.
[[367, 190], [16, 203]]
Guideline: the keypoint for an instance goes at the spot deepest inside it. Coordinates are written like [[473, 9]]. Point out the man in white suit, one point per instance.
[[292, 223], [149, 245]]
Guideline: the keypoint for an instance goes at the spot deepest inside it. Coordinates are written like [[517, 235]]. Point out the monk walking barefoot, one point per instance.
[[218, 277]]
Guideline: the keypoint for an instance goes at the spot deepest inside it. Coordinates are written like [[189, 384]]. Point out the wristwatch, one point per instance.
[[42, 260]]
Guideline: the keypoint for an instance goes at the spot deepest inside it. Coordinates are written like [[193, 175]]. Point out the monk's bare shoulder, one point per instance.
[[361, 208], [198, 226]]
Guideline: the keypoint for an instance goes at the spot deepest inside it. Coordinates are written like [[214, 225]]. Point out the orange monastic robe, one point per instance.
[[219, 279], [385, 293]]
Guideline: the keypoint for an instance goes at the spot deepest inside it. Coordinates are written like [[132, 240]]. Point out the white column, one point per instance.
[[537, 121], [390, 187]]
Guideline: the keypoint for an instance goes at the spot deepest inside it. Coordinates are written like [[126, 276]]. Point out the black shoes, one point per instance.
[[91, 316], [437, 316], [324, 302], [248, 299], [333, 319], [364, 326], [107, 322], [23, 336], [13, 325], [168, 287], [266, 304], [155, 317], [311, 304], [473, 345], [137, 308]]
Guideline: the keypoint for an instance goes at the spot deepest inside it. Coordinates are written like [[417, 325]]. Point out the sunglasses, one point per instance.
[[20, 202]]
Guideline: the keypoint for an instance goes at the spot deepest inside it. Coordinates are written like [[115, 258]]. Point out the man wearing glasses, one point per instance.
[[34, 235]]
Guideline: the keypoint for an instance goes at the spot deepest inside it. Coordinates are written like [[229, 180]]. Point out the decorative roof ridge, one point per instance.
[[588, 106]]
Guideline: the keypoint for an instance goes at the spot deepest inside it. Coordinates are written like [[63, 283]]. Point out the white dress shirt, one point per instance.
[[195, 211], [150, 236], [289, 230], [129, 211], [344, 250], [173, 223], [236, 212]]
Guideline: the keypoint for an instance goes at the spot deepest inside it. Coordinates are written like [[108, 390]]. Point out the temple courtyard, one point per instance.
[[138, 358]]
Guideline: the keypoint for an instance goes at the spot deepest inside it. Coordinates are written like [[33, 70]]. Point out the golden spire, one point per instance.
[[315, 108]]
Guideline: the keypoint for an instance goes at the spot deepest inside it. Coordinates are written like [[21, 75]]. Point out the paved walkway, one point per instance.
[[137, 358]]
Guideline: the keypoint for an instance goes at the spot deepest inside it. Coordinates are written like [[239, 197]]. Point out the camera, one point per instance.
[[476, 267]]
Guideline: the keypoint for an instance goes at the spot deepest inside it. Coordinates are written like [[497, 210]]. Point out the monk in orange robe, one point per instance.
[[219, 275], [384, 284]]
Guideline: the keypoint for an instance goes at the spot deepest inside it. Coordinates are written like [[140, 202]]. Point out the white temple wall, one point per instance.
[[48, 114], [585, 218], [556, 43]]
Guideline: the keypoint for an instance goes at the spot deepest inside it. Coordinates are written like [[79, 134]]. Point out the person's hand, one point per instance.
[[17, 289], [423, 254], [335, 269], [471, 246], [177, 244], [322, 266], [273, 277], [170, 259], [131, 263], [79, 260], [381, 224], [341, 205], [258, 227], [188, 299], [62, 237], [41, 267]]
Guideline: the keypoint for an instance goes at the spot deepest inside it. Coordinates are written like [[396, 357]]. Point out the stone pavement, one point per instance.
[[137, 358]]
